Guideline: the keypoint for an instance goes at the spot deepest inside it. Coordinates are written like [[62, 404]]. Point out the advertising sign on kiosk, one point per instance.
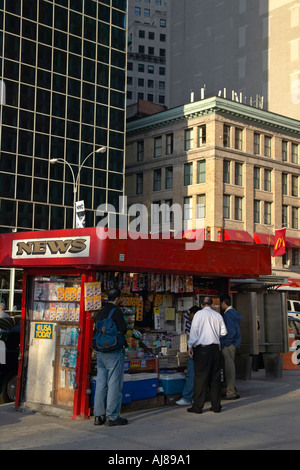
[[66, 275]]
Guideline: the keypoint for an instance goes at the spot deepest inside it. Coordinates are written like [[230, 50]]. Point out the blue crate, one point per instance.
[[144, 386], [172, 383], [126, 390]]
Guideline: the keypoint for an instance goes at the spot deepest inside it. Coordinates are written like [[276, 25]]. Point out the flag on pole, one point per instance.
[[280, 243]]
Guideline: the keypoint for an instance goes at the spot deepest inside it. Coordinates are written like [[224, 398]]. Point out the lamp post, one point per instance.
[[75, 180]]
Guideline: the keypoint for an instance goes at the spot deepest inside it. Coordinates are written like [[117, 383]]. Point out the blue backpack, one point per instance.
[[107, 337]]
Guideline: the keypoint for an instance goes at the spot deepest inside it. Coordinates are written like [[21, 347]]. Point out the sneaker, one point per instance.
[[183, 402], [99, 420], [116, 422]]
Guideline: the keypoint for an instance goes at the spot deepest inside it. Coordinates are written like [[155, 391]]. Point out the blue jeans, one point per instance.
[[109, 383], [188, 390]]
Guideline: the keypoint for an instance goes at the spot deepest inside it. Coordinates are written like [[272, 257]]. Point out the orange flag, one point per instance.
[[280, 243]]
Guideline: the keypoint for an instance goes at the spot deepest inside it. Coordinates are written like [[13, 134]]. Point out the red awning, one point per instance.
[[237, 236], [293, 282], [293, 242], [264, 238]]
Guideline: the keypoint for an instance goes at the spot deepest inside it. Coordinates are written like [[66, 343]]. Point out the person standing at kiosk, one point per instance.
[[204, 347], [110, 370], [230, 343]]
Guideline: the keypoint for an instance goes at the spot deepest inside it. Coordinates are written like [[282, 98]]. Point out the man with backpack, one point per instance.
[[110, 363]]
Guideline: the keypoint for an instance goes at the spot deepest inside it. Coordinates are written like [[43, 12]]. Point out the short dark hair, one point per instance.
[[226, 298], [194, 309], [207, 300], [113, 294]]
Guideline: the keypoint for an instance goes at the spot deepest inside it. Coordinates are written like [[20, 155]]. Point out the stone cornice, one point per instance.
[[221, 106]]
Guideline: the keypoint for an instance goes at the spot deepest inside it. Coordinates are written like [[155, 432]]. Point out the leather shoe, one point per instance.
[[235, 397], [99, 420], [216, 411], [194, 409]]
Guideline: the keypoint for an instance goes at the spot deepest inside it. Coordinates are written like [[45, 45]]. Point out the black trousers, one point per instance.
[[207, 366]]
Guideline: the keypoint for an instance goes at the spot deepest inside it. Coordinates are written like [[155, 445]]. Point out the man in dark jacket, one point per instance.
[[230, 343], [110, 370]]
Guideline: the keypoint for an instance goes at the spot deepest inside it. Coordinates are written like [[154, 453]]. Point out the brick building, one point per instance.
[[232, 168]]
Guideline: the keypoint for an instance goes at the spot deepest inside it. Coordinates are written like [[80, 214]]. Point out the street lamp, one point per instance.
[[75, 180]]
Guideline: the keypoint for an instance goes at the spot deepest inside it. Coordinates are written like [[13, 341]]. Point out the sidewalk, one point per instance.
[[266, 417]]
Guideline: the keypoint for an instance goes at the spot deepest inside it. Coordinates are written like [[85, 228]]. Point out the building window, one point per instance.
[[226, 136], [295, 257], [284, 150], [187, 208], [188, 139], [284, 216], [146, 12], [188, 174], [201, 206], [168, 212], [226, 206], [157, 147], [256, 177], [267, 181], [137, 11], [169, 178], [169, 144], [201, 135], [238, 208], [295, 186], [267, 214], [294, 153], [139, 183], [267, 146], [226, 171], [238, 177], [257, 212], [238, 138], [151, 69], [256, 143], [140, 150], [155, 211], [284, 183], [157, 180], [295, 217], [201, 171]]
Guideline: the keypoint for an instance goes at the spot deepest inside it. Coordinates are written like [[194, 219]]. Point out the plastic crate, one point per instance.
[[144, 385], [172, 383], [126, 390]]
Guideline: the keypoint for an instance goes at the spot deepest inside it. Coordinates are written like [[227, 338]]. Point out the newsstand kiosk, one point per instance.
[[65, 274]]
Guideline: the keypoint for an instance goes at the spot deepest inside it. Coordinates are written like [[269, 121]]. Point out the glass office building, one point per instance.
[[62, 95]]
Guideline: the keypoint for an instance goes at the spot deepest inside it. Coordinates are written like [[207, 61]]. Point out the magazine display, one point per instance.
[[56, 301]]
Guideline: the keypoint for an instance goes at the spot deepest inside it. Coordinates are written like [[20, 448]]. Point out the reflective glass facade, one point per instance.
[[62, 94]]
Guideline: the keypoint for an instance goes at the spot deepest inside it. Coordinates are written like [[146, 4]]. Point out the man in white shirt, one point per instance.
[[204, 347]]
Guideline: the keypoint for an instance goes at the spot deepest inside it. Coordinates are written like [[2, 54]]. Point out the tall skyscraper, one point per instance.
[[246, 49], [62, 96], [148, 27]]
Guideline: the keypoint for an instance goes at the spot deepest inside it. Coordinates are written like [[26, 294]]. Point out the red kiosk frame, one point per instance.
[[83, 252]]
